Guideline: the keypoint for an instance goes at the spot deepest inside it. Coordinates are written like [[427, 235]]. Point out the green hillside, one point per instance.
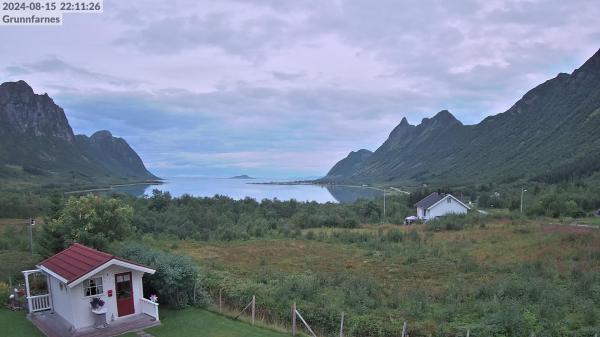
[[549, 135], [39, 149]]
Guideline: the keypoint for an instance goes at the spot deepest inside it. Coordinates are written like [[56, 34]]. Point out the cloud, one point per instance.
[[290, 87], [53, 64], [283, 76]]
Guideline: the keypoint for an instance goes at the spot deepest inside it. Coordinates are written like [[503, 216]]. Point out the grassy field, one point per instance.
[[14, 324], [497, 245], [442, 282], [499, 277]]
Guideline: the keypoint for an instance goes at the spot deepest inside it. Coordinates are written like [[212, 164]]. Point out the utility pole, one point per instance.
[[523, 190], [31, 224], [384, 204]]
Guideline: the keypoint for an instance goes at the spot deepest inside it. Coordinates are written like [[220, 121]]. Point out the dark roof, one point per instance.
[[78, 260], [429, 200]]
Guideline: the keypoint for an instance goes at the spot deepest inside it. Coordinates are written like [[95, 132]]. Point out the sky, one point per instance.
[[285, 89]]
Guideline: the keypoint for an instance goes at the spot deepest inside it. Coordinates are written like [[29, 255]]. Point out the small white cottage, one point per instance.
[[439, 204], [79, 274]]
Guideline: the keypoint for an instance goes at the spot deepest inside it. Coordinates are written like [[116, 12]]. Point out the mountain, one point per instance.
[[349, 164], [551, 133], [37, 145], [114, 154], [243, 176]]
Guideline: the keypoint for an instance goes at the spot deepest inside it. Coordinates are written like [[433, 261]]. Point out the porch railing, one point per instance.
[[149, 308], [39, 303]]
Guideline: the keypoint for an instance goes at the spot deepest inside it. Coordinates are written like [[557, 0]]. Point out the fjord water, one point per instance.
[[253, 188]]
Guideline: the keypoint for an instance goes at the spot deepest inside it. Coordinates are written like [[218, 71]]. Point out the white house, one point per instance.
[[77, 275], [439, 204]]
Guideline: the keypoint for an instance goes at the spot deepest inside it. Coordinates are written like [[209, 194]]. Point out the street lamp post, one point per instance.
[[523, 190]]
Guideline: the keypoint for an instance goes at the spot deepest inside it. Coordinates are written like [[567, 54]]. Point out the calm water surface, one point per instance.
[[242, 188]]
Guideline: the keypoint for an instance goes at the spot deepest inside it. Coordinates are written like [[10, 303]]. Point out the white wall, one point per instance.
[[61, 299], [81, 308], [420, 213], [444, 208]]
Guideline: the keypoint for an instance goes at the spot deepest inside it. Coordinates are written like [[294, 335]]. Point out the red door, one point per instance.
[[124, 287]]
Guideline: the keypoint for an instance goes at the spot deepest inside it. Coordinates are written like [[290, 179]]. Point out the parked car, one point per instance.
[[409, 220]]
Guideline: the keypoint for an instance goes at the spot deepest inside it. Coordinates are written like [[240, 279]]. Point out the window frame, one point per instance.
[[97, 286]]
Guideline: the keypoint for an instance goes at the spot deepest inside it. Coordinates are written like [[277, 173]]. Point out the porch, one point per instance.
[[52, 325]]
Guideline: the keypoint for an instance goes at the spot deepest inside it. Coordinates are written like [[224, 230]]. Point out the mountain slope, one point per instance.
[[113, 154], [350, 163], [38, 145], [552, 128]]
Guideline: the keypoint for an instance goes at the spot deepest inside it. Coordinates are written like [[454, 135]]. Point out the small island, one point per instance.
[[243, 176]]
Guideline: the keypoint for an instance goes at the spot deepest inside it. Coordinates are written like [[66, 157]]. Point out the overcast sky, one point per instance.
[[280, 88]]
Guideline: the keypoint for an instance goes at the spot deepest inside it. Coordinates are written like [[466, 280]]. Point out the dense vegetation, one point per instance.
[[497, 275]]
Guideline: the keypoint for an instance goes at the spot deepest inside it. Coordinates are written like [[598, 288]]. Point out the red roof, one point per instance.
[[78, 260]]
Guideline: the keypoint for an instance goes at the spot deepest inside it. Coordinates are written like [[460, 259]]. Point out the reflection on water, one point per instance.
[[242, 188], [349, 194]]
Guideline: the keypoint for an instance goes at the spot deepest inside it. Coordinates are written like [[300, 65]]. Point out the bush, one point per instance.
[[4, 293], [176, 278], [453, 222], [89, 220]]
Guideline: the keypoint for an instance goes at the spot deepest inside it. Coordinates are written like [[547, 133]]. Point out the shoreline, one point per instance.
[[110, 187], [312, 182]]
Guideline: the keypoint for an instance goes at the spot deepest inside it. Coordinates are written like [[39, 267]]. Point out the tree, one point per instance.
[[90, 220]]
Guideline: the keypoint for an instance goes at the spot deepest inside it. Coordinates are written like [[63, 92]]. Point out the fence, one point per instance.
[[293, 326], [296, 321]]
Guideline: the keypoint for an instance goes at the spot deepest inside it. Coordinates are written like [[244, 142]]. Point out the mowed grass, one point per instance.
[[175, 323], [15, 324], [197, 322]]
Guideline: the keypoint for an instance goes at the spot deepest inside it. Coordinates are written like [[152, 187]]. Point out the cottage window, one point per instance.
[[93, 286], [448, 200]]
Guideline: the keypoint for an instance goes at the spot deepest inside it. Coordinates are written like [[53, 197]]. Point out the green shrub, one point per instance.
[[454, 222], [176, 278], [4, 292]]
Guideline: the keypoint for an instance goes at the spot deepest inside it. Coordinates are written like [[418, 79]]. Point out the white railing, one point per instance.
[[149, 308], [39, 303]]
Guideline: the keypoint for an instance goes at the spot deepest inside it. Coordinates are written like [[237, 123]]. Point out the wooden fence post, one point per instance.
[[342, 326], [404, 329], [253, 308], [220, 301], [294, 319], [468, 332]]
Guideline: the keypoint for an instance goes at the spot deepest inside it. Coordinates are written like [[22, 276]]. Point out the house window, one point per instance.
[[448, 200], [93, 286]]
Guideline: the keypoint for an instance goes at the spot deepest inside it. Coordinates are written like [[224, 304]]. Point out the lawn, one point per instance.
[[181, 323], [197, 322], [14, 323]]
